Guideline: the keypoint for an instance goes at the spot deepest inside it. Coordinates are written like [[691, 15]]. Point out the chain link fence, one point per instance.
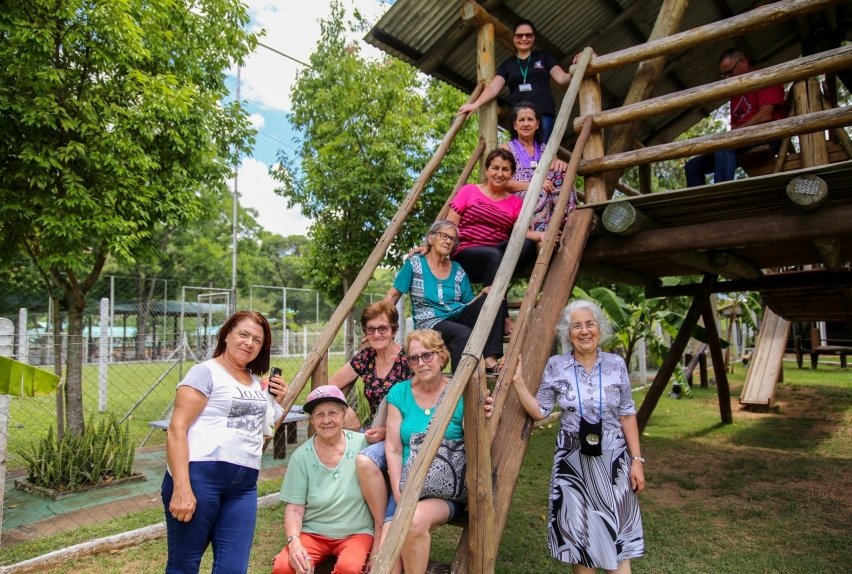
[[129, 375]]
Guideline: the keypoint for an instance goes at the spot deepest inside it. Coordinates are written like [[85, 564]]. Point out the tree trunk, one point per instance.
[[145, 294], [75, 303], [57, 367]]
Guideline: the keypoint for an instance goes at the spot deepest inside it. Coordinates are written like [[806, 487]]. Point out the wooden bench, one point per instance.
[[284, 434], [830, 350]]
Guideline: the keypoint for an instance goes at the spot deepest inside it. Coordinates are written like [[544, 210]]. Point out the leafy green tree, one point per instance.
[[113, 125], [367, 129]]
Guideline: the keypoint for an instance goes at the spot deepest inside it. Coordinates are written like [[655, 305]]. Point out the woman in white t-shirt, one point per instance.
[[213, 448]]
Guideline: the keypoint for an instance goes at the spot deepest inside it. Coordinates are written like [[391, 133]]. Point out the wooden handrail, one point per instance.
[[392, 545], [345, 307], [702, 35], [798, 69], [752, 135]]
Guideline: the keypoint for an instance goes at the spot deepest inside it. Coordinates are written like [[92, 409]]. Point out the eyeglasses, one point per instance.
[[588, 325], [381, 329], [445, 236], [730, 71], [425, 357], [524, 35], [246, 336]]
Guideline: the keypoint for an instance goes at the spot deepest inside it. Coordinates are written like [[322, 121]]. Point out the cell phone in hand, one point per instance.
[[275, 371]]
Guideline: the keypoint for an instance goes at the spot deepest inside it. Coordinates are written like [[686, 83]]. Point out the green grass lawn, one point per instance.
[[127, 383], [768, 494]]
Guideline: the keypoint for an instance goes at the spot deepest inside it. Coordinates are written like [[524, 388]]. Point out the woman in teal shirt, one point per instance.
[[442, 298], [411, 406]]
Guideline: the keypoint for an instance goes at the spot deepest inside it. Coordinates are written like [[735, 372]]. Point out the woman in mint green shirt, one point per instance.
[[441, 296], [326, 514]]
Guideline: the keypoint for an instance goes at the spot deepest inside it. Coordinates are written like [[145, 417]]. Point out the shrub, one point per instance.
[[103, 453]]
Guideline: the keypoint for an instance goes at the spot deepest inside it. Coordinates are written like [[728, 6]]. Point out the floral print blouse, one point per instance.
[[375, 388]]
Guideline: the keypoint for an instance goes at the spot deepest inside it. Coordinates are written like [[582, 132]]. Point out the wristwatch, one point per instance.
[[291, 538], [639, 458]]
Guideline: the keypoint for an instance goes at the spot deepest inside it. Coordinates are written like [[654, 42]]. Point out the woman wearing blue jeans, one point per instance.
[[213, 449]]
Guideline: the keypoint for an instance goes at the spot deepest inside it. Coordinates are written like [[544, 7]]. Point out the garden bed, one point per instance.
[[54, 494]]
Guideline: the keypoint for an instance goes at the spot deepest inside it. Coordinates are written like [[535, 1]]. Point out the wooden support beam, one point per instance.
[[622, 218], [345, 307], [645, 79], [830, 253], [808, 99], [590, 103], [474, 14], [672, 360], [615, 275], [723, 390], [781, 159], [627, 190], [807, 192], [717, 262], [766, 283], [798, 69], [645, 179], [510, 441], [486, 67], [809, 123], [480, 493], [787, 227], [709, 33]]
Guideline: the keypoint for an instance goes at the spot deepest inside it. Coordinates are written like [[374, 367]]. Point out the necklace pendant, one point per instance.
[[427, 411]]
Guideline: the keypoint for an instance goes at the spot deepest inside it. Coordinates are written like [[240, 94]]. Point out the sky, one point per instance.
[[292, 27]]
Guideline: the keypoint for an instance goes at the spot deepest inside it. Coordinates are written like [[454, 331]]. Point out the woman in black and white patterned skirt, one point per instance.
[[598, 468]]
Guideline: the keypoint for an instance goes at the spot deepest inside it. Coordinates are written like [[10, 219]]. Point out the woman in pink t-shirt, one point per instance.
[[485, 214]]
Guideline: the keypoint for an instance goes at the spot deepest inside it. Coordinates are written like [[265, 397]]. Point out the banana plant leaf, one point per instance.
[[675, 320], [22, 380]]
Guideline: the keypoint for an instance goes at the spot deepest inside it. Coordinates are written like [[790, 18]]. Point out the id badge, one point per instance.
[[525, 87]]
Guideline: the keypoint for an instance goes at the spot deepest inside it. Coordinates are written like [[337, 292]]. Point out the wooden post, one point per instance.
[[808, 99], [661, 380], [318, 378], [590, 103], [345, 307], [485, 70], [702, 370], [645, 179], [715, 344], [647, 75], [480, 497]]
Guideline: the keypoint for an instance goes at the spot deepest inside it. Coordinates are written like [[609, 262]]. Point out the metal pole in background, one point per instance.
[[284, 345], [234, 215], [103, 348], [111, 313]]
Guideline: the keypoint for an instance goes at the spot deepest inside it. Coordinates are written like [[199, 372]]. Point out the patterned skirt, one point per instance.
[[594, 516]]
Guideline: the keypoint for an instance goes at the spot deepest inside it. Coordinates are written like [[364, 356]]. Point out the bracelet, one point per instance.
[[291, 538], [639, 458]]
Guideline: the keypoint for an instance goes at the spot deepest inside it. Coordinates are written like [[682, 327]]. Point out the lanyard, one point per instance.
[[524, 70], [600, 391]]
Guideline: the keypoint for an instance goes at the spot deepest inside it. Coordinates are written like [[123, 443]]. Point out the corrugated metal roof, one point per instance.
[[432, 36]]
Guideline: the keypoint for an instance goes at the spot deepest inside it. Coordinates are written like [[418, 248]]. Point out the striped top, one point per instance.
[[483, 220]]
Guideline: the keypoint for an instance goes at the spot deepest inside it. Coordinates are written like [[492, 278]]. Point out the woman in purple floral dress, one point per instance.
[[525, 123]]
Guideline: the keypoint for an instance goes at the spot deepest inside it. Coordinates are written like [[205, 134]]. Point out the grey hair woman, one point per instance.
[[598, 468], [442, 229], [564, 327]]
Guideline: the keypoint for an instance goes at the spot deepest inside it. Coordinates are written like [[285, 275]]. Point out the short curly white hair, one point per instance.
[[563, 329]]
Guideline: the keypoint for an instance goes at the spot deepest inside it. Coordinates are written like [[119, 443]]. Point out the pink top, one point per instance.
[[483, 220]]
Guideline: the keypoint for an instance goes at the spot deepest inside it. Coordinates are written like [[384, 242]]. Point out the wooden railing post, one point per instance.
[[485, 70], [590, 103]]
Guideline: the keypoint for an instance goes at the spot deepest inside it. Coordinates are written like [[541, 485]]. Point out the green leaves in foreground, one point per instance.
[[22, 380]]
